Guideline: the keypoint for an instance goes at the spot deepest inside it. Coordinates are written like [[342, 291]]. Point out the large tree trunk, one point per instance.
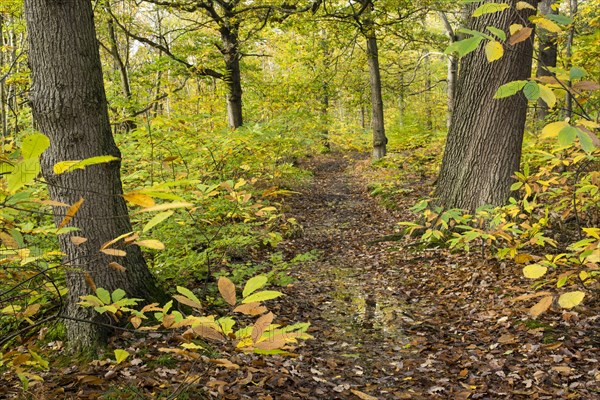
[[233, 79], [547, 54], [69, 105], [379, 138], [483, 148]]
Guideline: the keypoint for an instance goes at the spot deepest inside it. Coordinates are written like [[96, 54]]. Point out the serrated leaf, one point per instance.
[[531, 90], [465, 46], [71, 165], [551, 130], [254, 284], [489, 8], [546, 24], [34, 145], [494, 51], [157, 219], [250, 309], [498, 32], [227, 290], [571, 299], [261, 325], [547, 95], [567, 135], [139, 199], [541, 306], [586, 85], [520, 36], [190, 295], [262, 296], [121, 355], [71, 212], [103, 295], [534, 271], [522, 5], [117, 295], [166, 206], [509, 89], [151, 244]]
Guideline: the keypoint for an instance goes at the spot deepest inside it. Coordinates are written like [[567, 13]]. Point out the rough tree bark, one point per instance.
[[69, 105], [377, 123], [547, 54], [231, 54], [483, 148]]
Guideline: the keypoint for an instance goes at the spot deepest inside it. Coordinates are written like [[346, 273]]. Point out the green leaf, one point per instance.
[[509, 89], [226, 324], [571, 299], [465, 46], [561, 19], [586, 142], [498, 32], [254, 284], [121, 355], [262, 296], [157, 219], [103, 295], [516, 186], [188, 293], [567, 135], [534, 271], [71, 165], [576, 73], [118, 294], [531, 90], [34, 145], [24, 172], [489, 8]]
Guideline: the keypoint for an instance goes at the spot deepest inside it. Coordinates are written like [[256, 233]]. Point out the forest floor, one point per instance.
[[390, 320]]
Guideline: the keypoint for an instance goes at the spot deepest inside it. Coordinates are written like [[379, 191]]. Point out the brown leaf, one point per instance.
[[78, 240], [261, 325], [254, 308], [520, 36], [208, 333], [586, 85], [541, 306], [592, 135], [71, 212], [227, 290], [187, 302], [90, 282], [8, 241], [362, 395], [530, 296], [225, 363], [114, 252], [117, 267], [507, 338]]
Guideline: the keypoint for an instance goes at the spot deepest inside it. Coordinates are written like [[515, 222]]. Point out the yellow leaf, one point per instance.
[[139, 199], [547, 24], [523, 258], [514, 28], [571, 299], [494, 50], [71, 212], [522, 5], [115, 240], [166, 206], [227, 290], [534, 271], [151, 244], [551, 130], [541, 306], [121, 355], [362, 396], [547, 95]]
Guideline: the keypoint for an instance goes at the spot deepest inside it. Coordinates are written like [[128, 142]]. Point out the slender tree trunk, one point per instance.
[[3, 115], [483, 148], [547, 54], [568, 57], [379, 138], [69, 104], [427, 97], [452, 71], [233, 78]]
